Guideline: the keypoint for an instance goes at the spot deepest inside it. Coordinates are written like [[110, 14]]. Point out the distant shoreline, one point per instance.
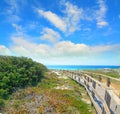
[[82, 67]]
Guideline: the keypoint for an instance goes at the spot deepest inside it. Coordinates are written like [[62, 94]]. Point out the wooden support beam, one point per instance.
[[108, 82], [107, 98], [100, 78]]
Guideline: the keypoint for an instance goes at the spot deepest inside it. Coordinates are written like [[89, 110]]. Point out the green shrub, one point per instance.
[[1, 104], [18, 72]]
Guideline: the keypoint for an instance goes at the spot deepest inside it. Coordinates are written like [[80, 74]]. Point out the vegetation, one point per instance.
[[50, 93], [115, 73], [18, 72], [50, 97]]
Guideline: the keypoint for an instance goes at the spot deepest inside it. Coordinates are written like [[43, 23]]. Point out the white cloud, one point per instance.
[[13, 18], [13, 6], [33, 25], [54, 19], [50, 35], [27, 48], [64, 52], [4, 50], [13, 9], [101, 14], [17, 27], [21, 51], [102, 23], [69, 49], [105, 48], [21, 42], [73, 16], [68, 23]]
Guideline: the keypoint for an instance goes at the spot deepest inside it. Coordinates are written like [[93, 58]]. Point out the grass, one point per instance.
[[44, 98], [110, 72]]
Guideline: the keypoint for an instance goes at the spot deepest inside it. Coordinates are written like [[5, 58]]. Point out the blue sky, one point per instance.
[[71, 32]]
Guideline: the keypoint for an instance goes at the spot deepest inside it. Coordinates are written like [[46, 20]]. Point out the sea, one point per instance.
[[82, 67]]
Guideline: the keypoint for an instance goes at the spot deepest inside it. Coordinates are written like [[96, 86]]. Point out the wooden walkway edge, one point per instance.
[[103, 99]]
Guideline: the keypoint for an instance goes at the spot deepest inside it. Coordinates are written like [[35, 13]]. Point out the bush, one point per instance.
[[18, 72], [1, 104]]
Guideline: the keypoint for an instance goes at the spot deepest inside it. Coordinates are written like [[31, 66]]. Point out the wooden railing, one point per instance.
[[103, 99]]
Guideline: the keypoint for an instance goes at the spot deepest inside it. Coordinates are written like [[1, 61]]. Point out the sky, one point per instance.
[[61, 32]]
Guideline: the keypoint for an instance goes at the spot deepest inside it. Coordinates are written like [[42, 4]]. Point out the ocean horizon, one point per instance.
[[82, 67]]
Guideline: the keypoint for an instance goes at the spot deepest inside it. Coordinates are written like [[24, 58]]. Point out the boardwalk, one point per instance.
[[103, 98]]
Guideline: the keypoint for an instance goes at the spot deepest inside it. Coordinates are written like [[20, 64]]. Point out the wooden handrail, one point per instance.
[[92, 99]]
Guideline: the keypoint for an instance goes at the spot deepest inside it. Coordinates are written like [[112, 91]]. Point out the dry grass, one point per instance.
[[46, 99]]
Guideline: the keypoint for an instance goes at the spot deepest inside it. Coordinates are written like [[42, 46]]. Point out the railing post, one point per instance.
[[117, 110], [108, 82], [72, 75], [75, 77], [79, 79], [94, 84], [88, 79], [93, 94], [100, 78], [107, 98], [88, 87], [103, 110]]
